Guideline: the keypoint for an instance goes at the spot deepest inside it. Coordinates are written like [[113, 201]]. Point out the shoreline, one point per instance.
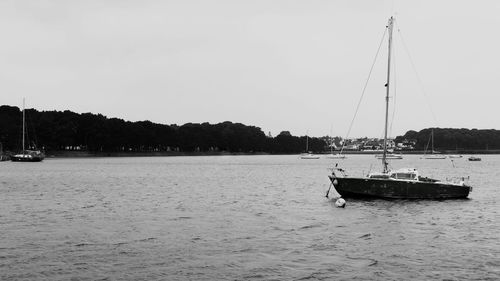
[[85, 154], [410, 152]]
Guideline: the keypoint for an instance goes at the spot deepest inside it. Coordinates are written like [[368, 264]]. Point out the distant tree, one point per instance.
[[61, 130], [451, 138]]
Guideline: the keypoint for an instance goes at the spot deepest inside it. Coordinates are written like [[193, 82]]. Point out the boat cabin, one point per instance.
[[401, 174]]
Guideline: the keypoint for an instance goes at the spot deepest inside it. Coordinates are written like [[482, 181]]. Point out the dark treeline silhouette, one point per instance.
[[454, 139], [56, 130]]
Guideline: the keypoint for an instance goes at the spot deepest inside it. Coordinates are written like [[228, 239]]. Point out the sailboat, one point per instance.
[[308, 154], [474, 158], [26, 155], [455, 155], [434, 154], [335, 155], [395, 156], [405, 183]]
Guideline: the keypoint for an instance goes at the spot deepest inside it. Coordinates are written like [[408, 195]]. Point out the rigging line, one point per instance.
[[418, 77], [364, 90], [20, 138], [427, 146], [29, 123]]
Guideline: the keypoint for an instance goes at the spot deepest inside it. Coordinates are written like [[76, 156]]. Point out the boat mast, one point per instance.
[[23, 124], [384, 156]]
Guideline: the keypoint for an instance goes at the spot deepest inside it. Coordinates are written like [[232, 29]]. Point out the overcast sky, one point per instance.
[[279, 65]]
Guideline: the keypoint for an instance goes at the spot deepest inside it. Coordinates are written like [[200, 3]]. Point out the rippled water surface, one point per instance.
[[238, 218]]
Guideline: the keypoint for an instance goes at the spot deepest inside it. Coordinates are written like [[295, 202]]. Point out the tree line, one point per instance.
[[66, 130], [454, 139]]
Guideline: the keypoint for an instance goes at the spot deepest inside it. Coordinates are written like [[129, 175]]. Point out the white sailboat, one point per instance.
[[434, 155], [394, 156], [27, 155], [308, 154], [455, 155], [335, 155]]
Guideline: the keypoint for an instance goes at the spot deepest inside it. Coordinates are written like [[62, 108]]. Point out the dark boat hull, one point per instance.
[[25, 159], [397, 189]]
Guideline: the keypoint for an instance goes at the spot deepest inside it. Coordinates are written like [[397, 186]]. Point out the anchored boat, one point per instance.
[[434, 155], [390, 156], [406, 183], [308, 154], [27, 155]]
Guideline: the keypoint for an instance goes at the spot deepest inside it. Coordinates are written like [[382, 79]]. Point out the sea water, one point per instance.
[[239, 218]]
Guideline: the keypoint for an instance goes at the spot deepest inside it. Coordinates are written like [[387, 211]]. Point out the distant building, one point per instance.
[[373, 144], [352, 147], [391, 143], [406, 144], [368, 144], [377, 144]]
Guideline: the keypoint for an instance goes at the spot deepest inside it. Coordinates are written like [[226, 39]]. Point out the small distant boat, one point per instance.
[[389, 156], [308, 155], [454, 156], [27, 155], [434, 154], [335, 156], [474, 158]]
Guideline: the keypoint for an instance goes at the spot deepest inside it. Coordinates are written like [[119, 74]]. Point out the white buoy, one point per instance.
[[340, 203]]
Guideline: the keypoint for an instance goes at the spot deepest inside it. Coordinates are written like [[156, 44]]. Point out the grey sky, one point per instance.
[[279, 65]]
